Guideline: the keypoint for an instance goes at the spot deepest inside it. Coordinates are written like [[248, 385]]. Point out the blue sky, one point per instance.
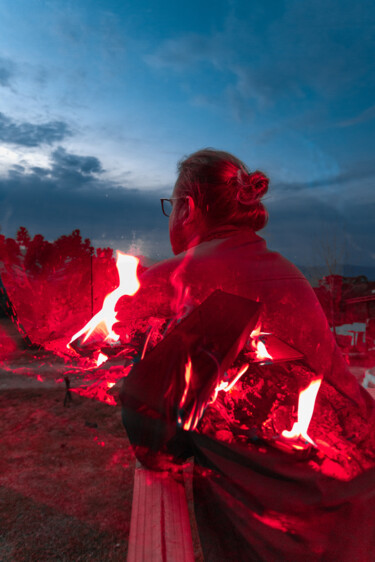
[[99, 100]]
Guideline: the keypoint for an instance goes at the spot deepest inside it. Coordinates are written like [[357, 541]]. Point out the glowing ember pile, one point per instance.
[[262, 405]]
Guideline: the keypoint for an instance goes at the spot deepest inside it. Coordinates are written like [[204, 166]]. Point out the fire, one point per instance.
[[226, 385], [102, 358], [258, 345], [187, 381], [188, 373], [103, 321], [197, 410], [306, 404]]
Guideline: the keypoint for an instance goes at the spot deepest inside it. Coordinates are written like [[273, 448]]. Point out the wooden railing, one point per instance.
[[160, 525]]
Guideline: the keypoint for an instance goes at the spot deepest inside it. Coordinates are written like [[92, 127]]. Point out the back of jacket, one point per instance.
[[238, 262], [252, 504]]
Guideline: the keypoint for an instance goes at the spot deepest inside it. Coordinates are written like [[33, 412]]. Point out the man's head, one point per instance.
[[213, 189]]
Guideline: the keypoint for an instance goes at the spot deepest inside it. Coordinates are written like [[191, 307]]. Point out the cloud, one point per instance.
[[85, 165], [363, 117], [182, 52], [72, 194], [7, 71], [296, 54], [356, 173], [31, 134]]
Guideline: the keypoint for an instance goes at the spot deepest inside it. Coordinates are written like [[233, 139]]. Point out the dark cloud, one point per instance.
[[71, 194], [65, 163], [31, 134]]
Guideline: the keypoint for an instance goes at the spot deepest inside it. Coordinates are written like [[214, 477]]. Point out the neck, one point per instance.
[[224, 231]]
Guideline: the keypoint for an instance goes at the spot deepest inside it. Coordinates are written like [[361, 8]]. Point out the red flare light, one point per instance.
[[306, 403], [101, 324]]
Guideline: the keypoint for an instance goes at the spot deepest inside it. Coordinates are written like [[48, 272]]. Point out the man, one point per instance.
[[250, 505]]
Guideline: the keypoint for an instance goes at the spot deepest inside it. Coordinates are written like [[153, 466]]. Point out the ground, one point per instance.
[[66, 473]]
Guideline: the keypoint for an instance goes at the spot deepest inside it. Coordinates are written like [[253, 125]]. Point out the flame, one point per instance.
[[306, 404], [102, 358], [187, 382], [196, 413], [261, 350], [188, 373], [103, 321], [258, 345], [226, 385]]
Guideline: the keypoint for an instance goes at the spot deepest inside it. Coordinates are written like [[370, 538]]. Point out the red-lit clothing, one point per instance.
[[239, 498]]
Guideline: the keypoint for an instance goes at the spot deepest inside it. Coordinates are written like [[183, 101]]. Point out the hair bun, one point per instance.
[[251, 187]]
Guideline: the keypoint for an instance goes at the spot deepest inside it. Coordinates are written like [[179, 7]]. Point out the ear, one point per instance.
[[189, 210]]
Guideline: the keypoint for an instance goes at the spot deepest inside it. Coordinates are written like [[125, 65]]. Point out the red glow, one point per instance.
[[101, 324], [306, 404]]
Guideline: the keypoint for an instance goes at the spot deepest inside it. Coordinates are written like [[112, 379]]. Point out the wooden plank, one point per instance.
[[160, 526]]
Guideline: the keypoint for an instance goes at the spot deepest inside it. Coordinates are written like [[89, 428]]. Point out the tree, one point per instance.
[[23, 237]]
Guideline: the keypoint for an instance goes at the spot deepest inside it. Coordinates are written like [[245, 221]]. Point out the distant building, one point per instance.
[[349, 304]]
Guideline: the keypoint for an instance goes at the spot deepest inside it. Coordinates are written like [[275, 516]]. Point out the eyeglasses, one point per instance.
[[167, 205]]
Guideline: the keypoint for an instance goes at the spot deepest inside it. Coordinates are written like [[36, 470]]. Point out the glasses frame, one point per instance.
[[170, 200]]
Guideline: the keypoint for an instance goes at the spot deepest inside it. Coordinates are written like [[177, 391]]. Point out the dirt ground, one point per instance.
[[66, 473]]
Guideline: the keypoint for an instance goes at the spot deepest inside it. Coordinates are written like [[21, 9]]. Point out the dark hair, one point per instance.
[[224, 188]]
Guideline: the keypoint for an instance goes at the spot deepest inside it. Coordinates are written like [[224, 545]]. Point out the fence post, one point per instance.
[[160, 526]]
